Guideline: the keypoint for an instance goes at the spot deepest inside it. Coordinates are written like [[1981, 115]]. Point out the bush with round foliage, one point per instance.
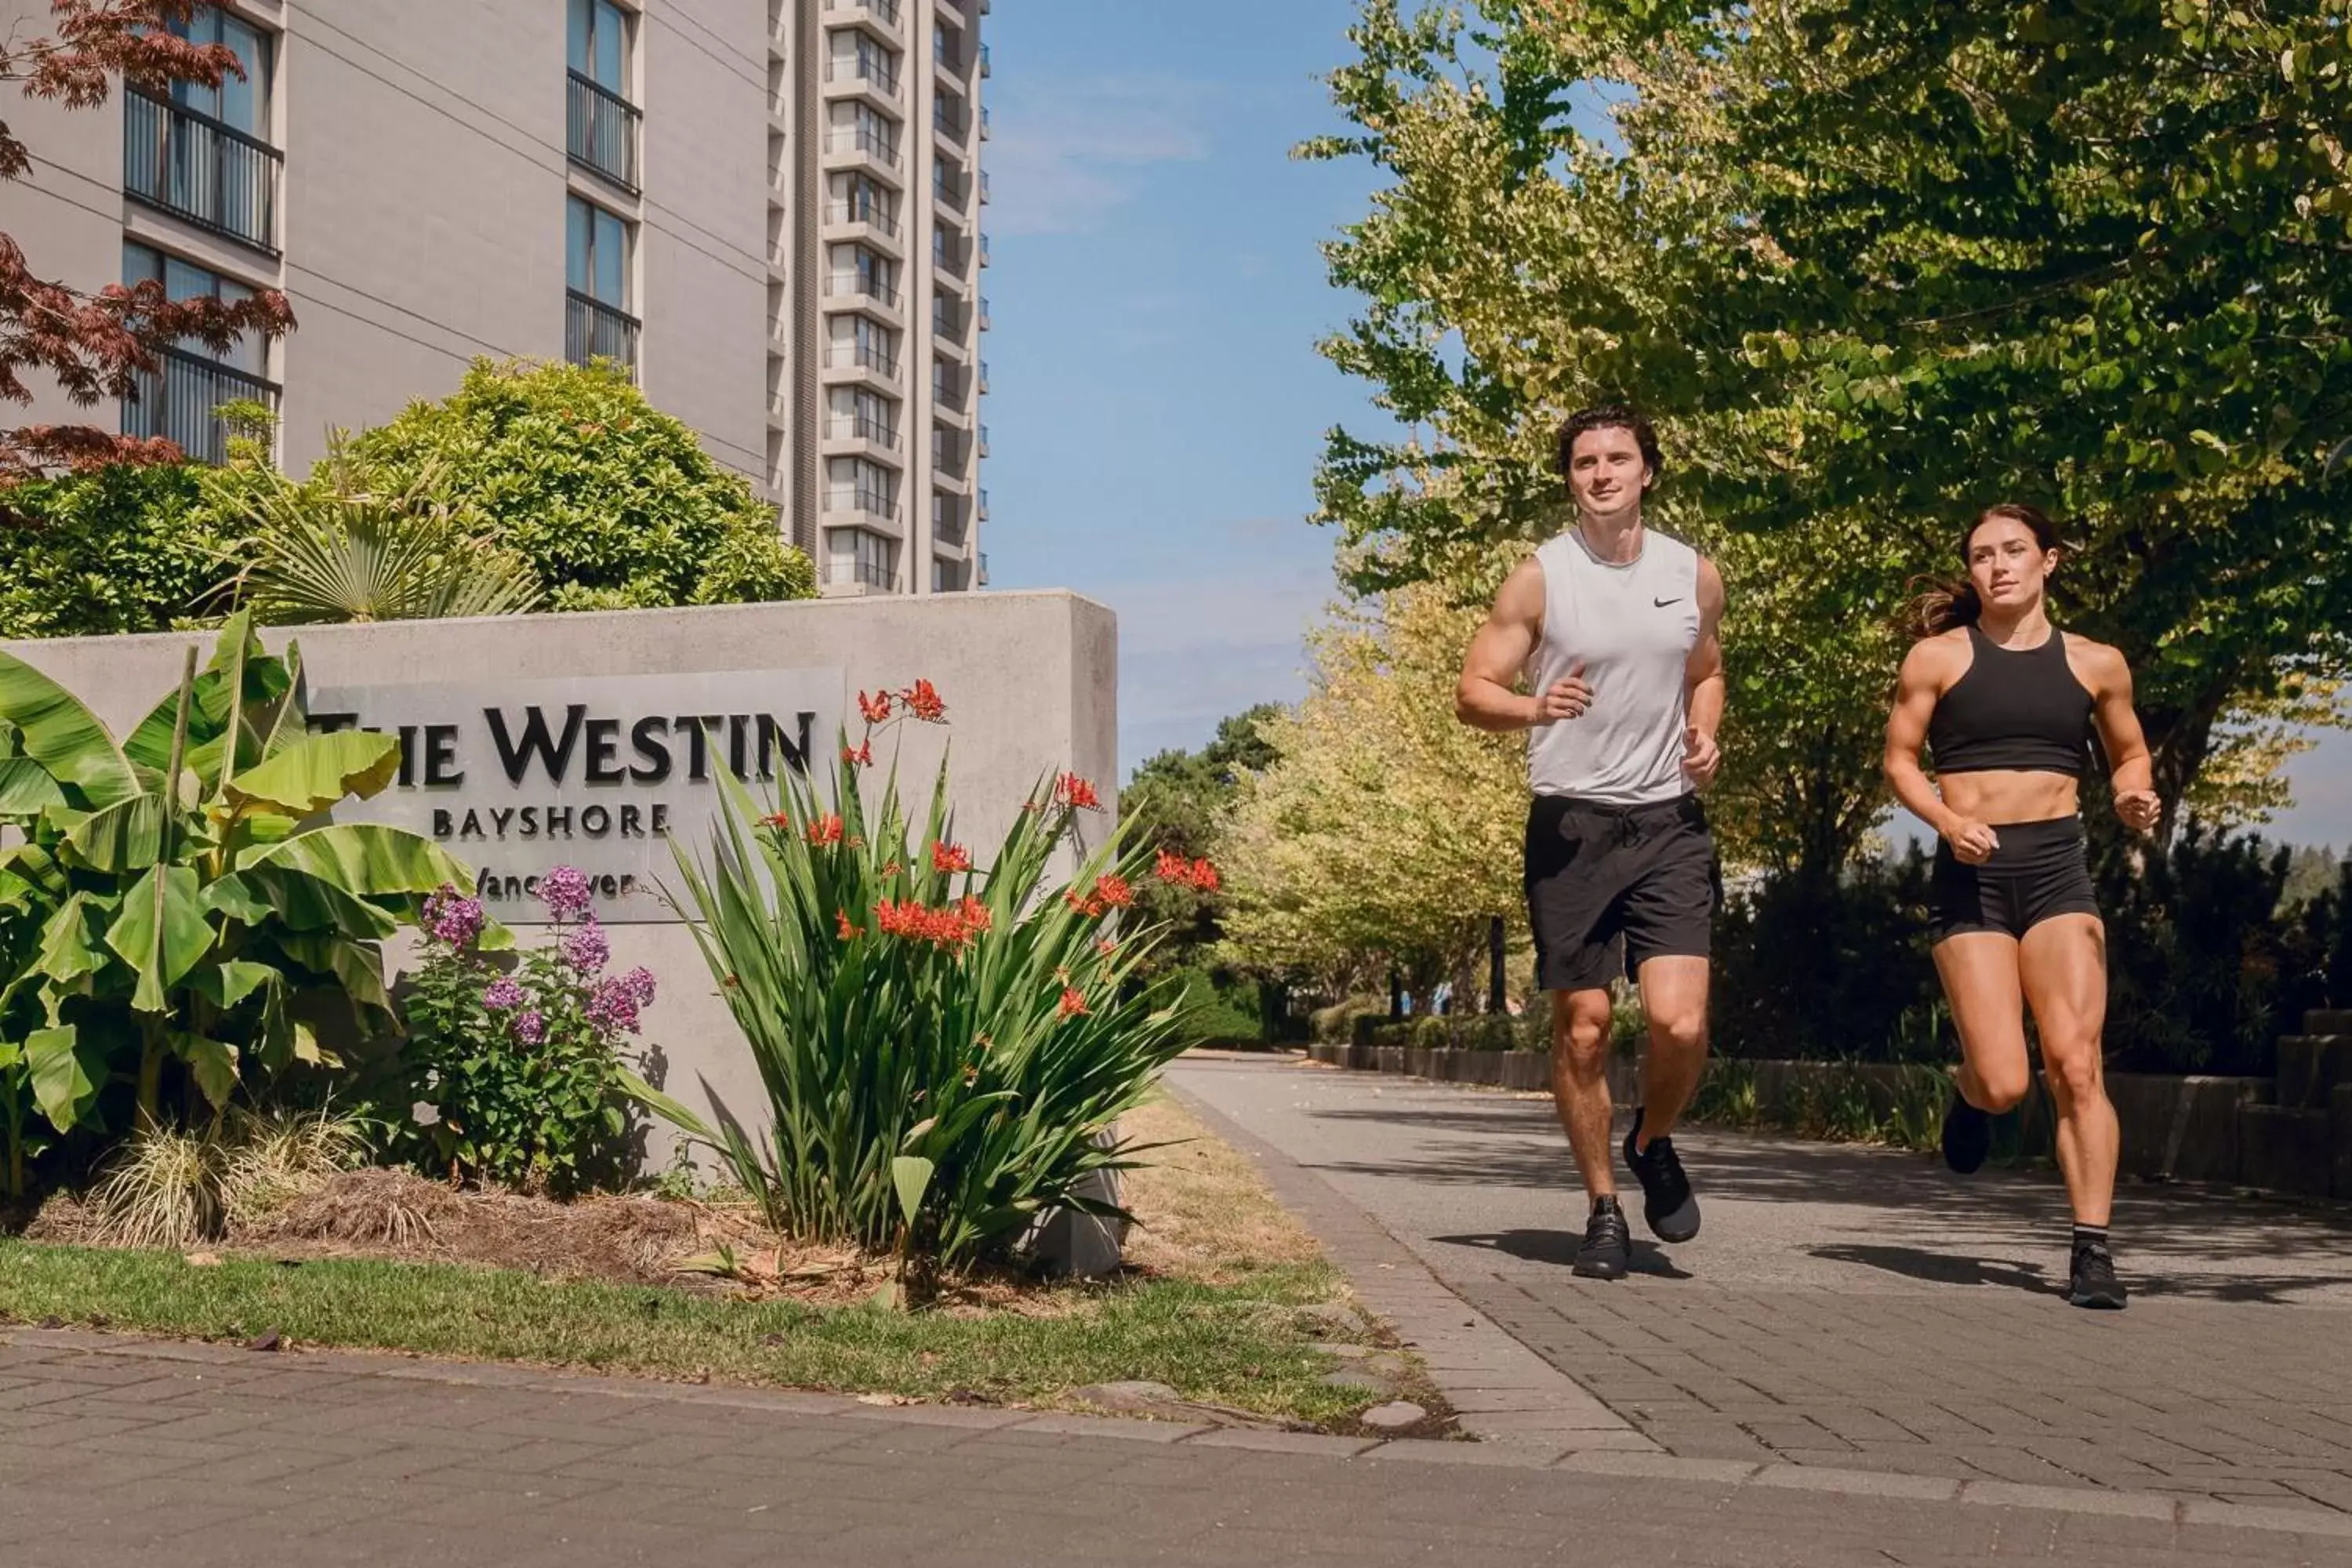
[[115, 550], [615, 503]]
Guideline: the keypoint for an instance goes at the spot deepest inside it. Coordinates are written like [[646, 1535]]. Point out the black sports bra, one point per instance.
[[2018, 710]]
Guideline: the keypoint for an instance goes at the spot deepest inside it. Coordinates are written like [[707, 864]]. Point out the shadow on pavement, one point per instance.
[[1558, 1247], [2182, 1242], [1942, 1269]]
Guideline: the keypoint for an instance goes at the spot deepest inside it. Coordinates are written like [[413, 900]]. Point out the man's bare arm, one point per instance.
[[1485, 698]]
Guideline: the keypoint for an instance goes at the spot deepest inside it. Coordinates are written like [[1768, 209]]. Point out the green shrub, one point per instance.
[[1728, 1094], [1431, 1033], [614, 504], [516, 1077], [945, 1045], [118, 550], [1491, 1032], [1226, 1010], [172, 928]]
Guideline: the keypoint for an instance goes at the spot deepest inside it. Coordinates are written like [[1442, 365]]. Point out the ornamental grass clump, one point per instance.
[[946, 1039]]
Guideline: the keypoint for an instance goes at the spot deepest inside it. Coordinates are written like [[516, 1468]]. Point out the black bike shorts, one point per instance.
[[2040, 870], [1610, 887]]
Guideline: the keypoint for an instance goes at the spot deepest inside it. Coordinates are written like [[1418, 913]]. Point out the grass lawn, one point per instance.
[[1213, 1310]]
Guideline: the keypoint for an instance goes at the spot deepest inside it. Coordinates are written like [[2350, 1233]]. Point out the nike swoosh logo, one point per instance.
[[1661, 603]]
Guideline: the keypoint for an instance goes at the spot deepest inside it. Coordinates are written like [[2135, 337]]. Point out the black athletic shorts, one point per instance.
[[2041, 869], [1611, 886]]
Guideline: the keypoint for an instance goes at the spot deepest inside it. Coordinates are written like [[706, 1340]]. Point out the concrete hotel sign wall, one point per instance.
[[597, 772], [1030, 680]]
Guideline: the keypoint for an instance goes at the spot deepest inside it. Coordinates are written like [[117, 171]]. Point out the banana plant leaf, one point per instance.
[[316, 771], [55, 729]]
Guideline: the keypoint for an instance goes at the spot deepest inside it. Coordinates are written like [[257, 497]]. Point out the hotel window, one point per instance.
[[179, 399], [596, 277]]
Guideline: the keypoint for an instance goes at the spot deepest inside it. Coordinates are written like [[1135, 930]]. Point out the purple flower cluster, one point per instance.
[[452, 919], [613, 1006], [565, 892], [586, 950], [530, 1028], [505, 991]]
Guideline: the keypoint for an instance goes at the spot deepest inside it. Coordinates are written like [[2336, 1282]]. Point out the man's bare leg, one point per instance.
[[1580, 1083], [1674, 1001]]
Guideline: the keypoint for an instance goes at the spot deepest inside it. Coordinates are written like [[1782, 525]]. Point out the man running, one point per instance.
[[1615, 627]]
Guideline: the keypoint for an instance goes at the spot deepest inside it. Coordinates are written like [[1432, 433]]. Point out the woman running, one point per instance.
[[2006, 703]]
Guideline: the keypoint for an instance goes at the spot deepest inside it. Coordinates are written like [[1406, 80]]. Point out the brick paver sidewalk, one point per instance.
[[1862, 1309], [119, 1455]]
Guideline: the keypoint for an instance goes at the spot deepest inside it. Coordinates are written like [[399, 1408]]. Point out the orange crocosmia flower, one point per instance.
[[779, 820], [922, 699], [1074, 1003], [862, 753], [975, 915], [848, 932], [875, 708], [949, 928], [892, 870], [1172, 868], [950, 858], [1115, 892], [1076, 792], [1105, 946], [1088, 905], [825, 830], [1204, 877]]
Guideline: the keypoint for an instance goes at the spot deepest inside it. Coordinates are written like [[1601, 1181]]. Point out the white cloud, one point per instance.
[[1062, 157]]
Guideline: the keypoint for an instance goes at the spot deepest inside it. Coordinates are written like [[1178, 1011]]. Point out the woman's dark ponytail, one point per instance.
[[1943, 607]]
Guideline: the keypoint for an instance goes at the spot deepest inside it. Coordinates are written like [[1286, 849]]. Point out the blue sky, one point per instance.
[[1155, 403]]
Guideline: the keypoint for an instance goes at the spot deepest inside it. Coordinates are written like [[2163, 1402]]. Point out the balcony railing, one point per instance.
[[873, 69], [882, 149], [195, 168], [863, 356], [865, 427], [594, 330], [850, 286], [179, 400], [873, 215], [604, 131], [885, 11]]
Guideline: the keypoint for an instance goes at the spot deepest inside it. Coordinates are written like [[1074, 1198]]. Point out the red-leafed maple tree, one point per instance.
[[95, 345]]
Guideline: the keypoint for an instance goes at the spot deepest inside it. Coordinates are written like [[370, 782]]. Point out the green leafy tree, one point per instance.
[[173, 926], [1174, 800], [1875, 267], [1384, 833], [614, 504]]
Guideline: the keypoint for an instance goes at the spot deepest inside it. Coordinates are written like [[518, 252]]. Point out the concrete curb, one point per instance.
[[984, 1425], [1501, 1391]]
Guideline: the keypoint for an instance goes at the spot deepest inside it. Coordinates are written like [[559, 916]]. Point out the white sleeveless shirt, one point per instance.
[[1632, 626]]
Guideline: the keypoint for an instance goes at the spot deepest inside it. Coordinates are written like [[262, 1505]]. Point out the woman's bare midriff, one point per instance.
[[2009, 795]]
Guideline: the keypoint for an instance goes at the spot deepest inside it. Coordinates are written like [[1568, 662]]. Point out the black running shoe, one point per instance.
[[1666, 1200], [2092, 1280], [1968, 1135], [1608, 1248]]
